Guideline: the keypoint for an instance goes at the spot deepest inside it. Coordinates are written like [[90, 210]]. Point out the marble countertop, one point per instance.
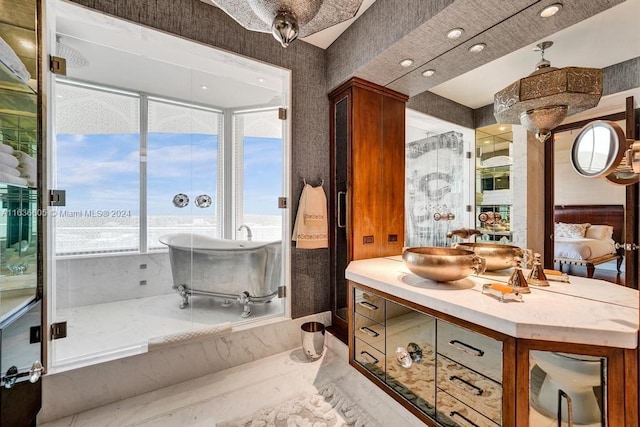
[[584, 311]]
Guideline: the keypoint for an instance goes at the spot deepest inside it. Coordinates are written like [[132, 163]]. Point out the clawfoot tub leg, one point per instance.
[[244, 299], [182, 291]]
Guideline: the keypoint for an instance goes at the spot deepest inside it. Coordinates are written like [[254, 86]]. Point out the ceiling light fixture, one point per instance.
[[289, 19], [455, 33], [542, 100], [551, 10], [478, 47], [406, 62], [203, 87], [428, 73]]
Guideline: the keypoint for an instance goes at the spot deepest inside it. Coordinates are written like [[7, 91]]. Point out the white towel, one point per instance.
[[9, 170], [10, 179], [4, 148], [24, 157], [13, 62], [8, 160], [27, 167], [311, 229]]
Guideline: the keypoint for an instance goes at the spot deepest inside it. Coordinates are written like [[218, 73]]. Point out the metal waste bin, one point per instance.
[[312, 339]]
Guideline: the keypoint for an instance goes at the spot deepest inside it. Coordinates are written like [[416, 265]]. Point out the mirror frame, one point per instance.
[[617, 146]]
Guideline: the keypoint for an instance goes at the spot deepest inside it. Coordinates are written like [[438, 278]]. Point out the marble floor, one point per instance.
[[245, 389], [98, 331]]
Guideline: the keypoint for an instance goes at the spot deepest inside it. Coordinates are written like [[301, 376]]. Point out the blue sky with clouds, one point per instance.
[[103, 172]]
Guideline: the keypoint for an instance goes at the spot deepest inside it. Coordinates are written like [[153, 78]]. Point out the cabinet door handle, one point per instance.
[[369, 331], [341, 224], [469, 349], [562, 394], [366, 355], [459, 415], [368, 305], [466, 385]]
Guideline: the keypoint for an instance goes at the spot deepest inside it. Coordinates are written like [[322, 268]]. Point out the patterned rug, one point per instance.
[[329, 407]]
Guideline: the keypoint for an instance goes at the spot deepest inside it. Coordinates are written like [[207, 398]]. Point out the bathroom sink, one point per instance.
[[497, 255], [442, 264]]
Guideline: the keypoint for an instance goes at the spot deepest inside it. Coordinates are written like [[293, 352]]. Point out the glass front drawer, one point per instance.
[[471, 349], [369, 305], [370, 358], [452, 412], [471, 388], [370, 332]]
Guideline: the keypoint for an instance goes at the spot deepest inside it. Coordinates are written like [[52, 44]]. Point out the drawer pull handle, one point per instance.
[[467, 420], [466, 348], [466, 385], [366, 355], [369, 331], [368, 305]]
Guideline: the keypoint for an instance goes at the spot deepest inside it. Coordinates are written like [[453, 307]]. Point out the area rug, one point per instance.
[[329, 407]]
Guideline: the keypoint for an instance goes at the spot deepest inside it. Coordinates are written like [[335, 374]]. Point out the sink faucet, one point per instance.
[[463, 233], [249, 235]]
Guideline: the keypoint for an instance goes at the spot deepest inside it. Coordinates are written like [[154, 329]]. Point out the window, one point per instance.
[[120, 180], [98, 151]]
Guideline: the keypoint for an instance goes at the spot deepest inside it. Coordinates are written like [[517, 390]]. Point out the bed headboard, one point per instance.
[[595, 214]]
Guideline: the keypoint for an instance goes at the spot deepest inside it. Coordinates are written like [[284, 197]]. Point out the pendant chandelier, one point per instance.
[[289, 19], [543, 99]]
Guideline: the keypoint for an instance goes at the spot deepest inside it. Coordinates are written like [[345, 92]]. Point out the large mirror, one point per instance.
[[598, 149]]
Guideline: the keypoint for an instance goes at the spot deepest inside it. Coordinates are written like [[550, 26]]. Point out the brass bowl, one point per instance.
[[442, 264], [497, 255]]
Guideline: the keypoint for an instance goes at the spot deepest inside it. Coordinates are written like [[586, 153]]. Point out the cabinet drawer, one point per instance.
[[370, 332], [370, 358], [471, 388], [471, 349], [452, 412], [369, 305]]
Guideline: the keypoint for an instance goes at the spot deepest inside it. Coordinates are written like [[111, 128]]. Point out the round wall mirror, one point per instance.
[[598, 149]]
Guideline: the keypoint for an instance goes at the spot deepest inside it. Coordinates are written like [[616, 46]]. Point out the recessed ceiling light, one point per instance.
[[203, 87], [478, 47], [260, 79], [455, 33], [428, 73], [487, 142], [406, 62], [502, 128], [551, 10]]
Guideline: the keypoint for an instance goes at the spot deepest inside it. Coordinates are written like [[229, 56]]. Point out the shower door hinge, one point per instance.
[[282, 113], [58, 65], [282, 291], [282, 203], [58, 330], [57, 198]]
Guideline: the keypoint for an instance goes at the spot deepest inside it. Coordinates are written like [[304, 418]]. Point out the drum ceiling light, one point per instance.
[[289, 19], [542, 100]]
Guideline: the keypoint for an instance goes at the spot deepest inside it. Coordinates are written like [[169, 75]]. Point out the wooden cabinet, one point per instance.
[[457, 379], [366, 201], [471, 375]]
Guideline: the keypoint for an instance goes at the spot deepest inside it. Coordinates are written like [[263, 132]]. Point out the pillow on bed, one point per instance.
[[562, 229], [600, 232]]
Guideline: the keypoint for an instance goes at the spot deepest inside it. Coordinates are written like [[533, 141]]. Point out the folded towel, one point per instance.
[[187, 337], [311, 229], [24, 157], [8, 160], [4, 148], [9, 170], [10, 179], [13, 62]]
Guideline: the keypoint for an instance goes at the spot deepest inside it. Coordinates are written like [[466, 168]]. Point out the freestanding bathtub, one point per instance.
[[249, 272]]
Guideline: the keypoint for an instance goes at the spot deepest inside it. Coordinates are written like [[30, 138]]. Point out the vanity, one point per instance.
[[454, 356]]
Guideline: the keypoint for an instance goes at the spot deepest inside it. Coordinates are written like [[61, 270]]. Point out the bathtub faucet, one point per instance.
[[249, 235], [464, 233]]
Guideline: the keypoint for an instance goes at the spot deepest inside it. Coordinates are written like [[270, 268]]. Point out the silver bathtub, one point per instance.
[[249, 272]]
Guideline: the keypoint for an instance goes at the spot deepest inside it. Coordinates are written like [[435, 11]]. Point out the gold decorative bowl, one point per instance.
[[442, 264], [498, 256]]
